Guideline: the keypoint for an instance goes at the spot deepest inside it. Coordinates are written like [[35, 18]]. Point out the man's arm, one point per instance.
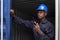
[[49, 35], [37, 28], [19, 20]]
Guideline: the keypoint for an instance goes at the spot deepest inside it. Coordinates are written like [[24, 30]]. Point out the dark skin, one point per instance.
[[41, 16]]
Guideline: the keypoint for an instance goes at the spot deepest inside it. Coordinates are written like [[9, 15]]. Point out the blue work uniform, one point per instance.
[[46, 27]]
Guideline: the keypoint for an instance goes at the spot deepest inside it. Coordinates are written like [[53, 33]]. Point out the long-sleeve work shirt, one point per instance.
[[46, 27]]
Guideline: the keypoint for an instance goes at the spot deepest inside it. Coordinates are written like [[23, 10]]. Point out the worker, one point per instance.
[[42, 30]]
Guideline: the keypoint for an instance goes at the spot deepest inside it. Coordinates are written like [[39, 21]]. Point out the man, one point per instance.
[[42, 30]]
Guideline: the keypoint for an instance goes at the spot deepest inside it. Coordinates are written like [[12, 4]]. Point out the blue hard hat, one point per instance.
[[42, 7]]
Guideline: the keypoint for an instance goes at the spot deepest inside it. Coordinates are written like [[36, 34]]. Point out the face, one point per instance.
[[41, 14]]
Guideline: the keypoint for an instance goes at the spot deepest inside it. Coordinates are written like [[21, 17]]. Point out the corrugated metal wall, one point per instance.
[[21, 33]]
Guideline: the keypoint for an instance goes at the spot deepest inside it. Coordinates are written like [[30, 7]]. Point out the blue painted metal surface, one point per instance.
[[0, 19], [7, 19]]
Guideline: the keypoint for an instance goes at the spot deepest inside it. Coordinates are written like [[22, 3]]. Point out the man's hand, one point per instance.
[[37, 28], [12, 12]]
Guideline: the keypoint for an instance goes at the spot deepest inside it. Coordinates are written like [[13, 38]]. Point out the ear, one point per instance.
[[45, 14]]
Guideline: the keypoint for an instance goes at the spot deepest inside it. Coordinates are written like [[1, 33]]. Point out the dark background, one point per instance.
[[26, 10]]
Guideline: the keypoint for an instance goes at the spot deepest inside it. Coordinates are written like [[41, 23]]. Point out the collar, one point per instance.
[[45, 21]]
